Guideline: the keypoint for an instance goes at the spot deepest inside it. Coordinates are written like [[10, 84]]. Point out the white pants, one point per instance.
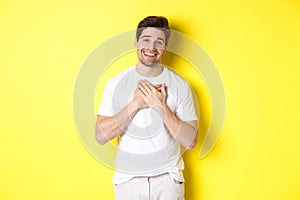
[[161, 187]]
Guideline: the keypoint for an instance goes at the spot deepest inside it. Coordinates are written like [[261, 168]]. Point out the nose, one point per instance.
[[151, 46]]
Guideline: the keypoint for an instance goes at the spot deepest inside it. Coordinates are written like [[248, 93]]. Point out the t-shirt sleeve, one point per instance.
[[185, 108], [106, 105]]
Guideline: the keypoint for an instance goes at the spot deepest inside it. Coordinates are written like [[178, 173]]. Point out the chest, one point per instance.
[[125, 89]]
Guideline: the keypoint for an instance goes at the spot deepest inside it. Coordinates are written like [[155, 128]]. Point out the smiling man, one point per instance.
[[150, 109]]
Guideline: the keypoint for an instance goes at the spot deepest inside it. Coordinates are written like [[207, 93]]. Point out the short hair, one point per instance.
[[159, 22]]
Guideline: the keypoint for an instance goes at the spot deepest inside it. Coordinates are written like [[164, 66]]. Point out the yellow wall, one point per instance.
[[254, 44]]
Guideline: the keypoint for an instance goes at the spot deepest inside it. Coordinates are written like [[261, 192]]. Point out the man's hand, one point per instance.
[[139, 100], [185, 132], [154, 96]]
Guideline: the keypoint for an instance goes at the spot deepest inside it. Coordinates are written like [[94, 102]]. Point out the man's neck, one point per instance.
[[149, 71]]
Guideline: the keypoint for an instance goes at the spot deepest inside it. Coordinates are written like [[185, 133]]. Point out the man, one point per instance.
[[150, 109]]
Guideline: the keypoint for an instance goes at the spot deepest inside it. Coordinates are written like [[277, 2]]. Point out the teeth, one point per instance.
[[149, 54]]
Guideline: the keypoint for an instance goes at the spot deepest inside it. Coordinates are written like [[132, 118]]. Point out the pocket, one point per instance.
[[177, 188], [176, 181]]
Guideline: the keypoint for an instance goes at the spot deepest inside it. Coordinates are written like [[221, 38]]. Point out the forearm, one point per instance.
[[107, 128], [183, 132]]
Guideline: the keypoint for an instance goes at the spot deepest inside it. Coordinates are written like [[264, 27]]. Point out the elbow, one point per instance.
[[191, 145], [100, 138], [99, 135]]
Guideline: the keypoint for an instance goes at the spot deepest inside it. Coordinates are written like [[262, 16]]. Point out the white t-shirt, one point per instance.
[[147, 148]]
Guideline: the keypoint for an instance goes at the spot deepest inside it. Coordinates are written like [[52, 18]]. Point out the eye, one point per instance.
[[146, 40]]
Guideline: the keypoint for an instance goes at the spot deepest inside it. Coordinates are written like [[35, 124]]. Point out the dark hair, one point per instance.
[[154, 21]]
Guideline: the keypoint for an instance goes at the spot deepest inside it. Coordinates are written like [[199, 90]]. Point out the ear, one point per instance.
[[135, 43], [165, 50]]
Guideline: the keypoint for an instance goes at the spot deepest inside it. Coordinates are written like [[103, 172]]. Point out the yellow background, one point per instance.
[[254, 44]]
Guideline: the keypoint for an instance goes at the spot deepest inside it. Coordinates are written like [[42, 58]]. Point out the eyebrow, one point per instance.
[[159, 38]]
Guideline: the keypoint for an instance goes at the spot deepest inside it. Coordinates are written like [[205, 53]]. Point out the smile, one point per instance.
[[150, 55]]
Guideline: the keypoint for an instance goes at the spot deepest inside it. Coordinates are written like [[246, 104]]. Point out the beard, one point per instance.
[[148, 62]]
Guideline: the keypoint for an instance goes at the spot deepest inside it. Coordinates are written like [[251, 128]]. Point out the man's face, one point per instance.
[[151, 46]]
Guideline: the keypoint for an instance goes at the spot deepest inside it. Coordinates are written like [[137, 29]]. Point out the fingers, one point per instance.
[[148, 85], [147, 88], [163, 90], [158, 86], [142, 90]]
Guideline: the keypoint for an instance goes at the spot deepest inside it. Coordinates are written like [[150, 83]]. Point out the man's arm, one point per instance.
[[107, 128], [183, 132]]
